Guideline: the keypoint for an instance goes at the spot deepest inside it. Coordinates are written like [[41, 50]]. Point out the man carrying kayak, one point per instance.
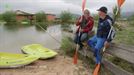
[[85, 24], [102, 37]]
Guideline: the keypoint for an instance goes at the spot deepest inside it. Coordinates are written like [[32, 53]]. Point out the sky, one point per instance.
[[57, 6]]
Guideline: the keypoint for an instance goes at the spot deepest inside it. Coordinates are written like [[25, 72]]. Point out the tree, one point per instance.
[[66, 17], [41, 17], [41, 20], [1, 17], [9, 16], [96, 17]]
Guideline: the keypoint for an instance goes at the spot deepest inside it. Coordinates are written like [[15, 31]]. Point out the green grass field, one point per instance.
[[126, 35]]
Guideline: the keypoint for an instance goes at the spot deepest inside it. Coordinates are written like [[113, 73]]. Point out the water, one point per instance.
[[12, 38]]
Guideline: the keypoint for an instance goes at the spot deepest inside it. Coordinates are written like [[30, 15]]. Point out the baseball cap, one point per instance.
[[103, 9]]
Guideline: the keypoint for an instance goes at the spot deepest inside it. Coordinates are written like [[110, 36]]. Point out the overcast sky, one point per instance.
[[56, 6]]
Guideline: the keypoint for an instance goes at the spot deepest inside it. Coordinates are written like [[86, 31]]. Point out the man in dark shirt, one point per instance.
[[102, 36]]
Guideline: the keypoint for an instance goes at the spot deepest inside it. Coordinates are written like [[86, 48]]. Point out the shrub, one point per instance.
[[41, 17], [9, 16], [66, 17]]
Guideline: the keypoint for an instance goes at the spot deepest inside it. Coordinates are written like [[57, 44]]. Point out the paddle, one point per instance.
[[75, 58], [97, 68]]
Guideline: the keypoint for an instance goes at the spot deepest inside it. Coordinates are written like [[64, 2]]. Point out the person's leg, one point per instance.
[[92, 41], [76, 38], [99, 45], [83, 38]]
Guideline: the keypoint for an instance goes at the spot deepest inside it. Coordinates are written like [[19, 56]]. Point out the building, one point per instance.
[[51, 17], [21, 15]]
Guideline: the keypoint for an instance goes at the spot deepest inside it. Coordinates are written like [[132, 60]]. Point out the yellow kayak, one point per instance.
[[10, 60], [39, 50]]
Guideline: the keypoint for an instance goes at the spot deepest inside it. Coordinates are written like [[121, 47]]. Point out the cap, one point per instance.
[[103, 9]]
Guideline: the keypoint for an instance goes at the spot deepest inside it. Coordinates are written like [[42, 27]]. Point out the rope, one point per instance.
[[64, 52], [49, 34]]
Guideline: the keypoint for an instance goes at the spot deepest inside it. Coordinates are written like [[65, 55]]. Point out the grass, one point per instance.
[[121, 63], [126, 35], [67, 46]]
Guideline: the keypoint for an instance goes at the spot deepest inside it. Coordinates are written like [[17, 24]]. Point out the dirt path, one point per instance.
[[55, 66]]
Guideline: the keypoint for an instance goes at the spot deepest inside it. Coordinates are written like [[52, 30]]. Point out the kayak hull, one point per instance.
[[11, 60]]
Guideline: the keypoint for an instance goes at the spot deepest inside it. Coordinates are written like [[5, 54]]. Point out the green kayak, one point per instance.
[[39, 50], [11, 60]]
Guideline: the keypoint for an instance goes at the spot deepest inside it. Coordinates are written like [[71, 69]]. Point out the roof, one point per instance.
[[51, 14], [19, 12]]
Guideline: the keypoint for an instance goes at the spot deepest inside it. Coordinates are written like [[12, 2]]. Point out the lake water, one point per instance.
[[12, 38]]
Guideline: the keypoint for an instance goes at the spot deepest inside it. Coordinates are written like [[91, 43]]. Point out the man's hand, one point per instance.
[[106, 44]]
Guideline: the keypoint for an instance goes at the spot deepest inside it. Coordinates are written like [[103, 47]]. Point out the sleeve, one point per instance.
[[77, 22], [109, 22]]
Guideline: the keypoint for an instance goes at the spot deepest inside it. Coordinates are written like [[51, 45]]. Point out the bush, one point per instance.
[[9, 16], [41, 21], [66, 17], [1, 17], [131, 20], [67, 46], [41, 17], [96, 17]]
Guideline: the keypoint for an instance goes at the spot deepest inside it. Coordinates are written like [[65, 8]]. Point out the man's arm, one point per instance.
[[108, 40]]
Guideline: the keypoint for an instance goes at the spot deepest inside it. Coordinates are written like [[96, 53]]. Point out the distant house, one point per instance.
[[21, 15], [51, 17]]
